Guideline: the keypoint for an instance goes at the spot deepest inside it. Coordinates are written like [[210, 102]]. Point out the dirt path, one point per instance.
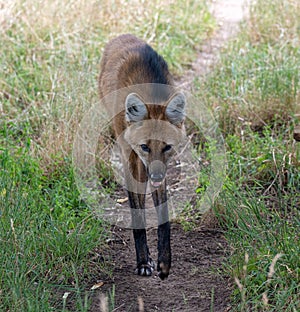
[[228, 14], [195, 283]]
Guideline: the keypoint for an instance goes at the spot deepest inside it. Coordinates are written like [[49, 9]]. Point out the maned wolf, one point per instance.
[[148, 126]]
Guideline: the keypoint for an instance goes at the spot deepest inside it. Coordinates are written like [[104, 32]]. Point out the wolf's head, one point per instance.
[[155, 132]]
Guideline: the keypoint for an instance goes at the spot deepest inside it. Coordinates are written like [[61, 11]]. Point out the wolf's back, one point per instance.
[[127, 62]]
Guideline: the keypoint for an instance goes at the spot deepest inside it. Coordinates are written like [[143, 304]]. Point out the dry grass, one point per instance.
[[51, 50], [257, 83], [284, 28]]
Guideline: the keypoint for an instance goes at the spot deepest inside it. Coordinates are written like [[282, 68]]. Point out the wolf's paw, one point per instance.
[[163, 270], [145, 269]]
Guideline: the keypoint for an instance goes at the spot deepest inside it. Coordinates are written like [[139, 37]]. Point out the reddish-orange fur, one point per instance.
[[130, 73]]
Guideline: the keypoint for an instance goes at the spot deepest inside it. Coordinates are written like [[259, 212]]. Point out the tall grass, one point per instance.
[[257, 82], [47, 234], [255, 90], [51, 50]]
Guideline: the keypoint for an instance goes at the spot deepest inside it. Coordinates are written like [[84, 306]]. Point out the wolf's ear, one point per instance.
[[175, 109], [135, 109]]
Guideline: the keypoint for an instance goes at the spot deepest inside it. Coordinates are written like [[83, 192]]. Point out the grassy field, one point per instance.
[[49, 62], [255, 90]]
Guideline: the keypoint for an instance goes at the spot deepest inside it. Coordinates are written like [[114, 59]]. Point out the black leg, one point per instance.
[[136, 182], [164, 246], [164, 250], [145, 265]]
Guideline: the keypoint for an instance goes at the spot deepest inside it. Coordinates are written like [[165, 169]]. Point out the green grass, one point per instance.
[[47, 233], [255, 90], [259, 207]]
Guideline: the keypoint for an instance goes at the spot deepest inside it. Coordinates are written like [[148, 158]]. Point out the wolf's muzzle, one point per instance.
[[157, 172]]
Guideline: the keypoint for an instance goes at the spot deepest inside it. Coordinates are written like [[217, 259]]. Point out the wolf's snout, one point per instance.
[[157, 172]]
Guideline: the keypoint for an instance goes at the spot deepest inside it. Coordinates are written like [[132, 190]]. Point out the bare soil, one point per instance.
[[196, 282]]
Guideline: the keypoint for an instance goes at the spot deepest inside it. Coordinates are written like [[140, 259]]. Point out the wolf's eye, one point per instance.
[[145, 148], [167, 148]]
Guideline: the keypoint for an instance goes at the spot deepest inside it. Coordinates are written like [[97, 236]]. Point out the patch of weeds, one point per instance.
[[106, 176], [257, 83], [255, 92], [259, 209], [47, 233], [262, 235], [178, 40]]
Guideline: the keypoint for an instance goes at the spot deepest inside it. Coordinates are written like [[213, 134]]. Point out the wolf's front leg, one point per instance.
[[145, 264], [164, 245], [136, 183]]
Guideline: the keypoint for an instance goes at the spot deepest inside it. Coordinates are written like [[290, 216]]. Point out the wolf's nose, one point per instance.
[[157, 171], [156, 177]]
